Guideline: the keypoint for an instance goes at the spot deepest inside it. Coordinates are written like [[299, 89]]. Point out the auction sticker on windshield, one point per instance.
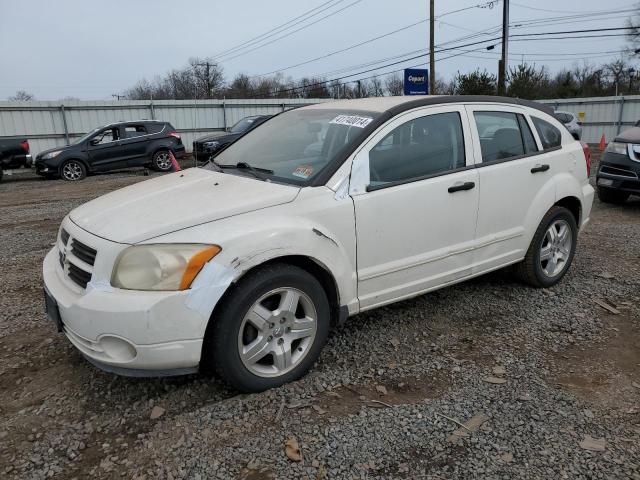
[[352, 120], [303, 171]]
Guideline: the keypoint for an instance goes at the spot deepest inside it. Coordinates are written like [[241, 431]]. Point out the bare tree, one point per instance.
[[376, 88], [394, 84], [21, 96]]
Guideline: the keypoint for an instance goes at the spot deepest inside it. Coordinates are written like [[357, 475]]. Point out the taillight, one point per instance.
[[587, 157], [25, 145], [174, 135]]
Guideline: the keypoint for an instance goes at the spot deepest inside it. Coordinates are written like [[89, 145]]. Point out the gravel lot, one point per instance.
[[533, 375]]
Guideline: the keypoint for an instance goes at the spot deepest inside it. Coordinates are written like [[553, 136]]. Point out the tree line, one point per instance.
[[203, 79]]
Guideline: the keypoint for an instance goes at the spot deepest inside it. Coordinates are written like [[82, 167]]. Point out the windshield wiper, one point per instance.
[[255, 171]]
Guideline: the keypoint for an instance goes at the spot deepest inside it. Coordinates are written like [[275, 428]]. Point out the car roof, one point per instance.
[[130, 122], [398, 104]]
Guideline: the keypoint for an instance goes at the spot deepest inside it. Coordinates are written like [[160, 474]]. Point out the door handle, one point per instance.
[[540, 168], [461, 186]]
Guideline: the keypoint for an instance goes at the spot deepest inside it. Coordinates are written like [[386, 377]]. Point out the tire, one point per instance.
[[161, 161], [234, 329], [608, 195], [540, 272], [73, 170]]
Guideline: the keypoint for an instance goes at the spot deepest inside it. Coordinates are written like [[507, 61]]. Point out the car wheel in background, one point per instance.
[[269, 330], [161, 161], [608, 195], [73, 170], [551, 251]]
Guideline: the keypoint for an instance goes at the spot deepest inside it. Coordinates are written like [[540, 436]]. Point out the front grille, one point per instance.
[[83, 252], [76, 259], [64, 236], [620, 172], [78, 275]]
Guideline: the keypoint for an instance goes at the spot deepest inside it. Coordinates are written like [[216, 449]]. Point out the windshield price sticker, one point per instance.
[[352, 121], [303, 171]]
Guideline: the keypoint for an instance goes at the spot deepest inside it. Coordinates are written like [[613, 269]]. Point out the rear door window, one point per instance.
[[131, 131], [550, 136], [503, 135]]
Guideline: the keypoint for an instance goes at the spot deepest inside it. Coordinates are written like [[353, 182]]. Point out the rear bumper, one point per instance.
[[179, 151]]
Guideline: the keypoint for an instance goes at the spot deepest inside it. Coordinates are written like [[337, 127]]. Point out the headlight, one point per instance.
[[211, 145], [617, 147], [161, 266], [51, 155]]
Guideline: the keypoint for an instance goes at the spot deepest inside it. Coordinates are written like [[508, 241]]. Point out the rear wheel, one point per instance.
[[551, 251], [73, 170], [607, 195], [269, 330], [162, 161]]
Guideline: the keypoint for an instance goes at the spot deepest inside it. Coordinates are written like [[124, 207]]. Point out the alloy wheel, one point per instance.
[[277, 332], [163, 161], [555, 250], [72, 171]]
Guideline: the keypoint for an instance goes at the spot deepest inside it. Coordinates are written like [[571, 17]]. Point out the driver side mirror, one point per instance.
[[94, 141]]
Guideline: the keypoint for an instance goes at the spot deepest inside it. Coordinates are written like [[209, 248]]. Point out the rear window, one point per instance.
[[503, 135], [550, 136]]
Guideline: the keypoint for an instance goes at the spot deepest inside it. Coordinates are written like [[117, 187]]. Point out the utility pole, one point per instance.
[[502, 64], [208, 66], [432, 54]]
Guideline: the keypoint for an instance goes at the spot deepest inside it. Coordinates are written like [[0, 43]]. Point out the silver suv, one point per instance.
[[570, 121]]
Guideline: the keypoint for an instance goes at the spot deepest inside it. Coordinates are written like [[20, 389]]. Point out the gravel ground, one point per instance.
[[487, 379]]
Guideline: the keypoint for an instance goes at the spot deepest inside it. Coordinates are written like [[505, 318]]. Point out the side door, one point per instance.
[[135, 139], [516, 180], [105, 150], [415, 193]]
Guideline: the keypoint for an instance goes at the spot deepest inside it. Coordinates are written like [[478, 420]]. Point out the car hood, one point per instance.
[[56, 149], [629, 136], [175, 202], [215, 136]]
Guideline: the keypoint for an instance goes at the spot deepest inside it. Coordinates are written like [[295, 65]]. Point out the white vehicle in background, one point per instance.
[[569, 120], [318, 214]]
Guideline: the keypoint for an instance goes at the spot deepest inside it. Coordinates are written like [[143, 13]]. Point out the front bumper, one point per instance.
[[619, 172], [123, 331]]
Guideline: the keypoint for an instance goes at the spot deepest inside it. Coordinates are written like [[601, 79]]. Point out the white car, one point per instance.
[[320, 213], [571, 122]]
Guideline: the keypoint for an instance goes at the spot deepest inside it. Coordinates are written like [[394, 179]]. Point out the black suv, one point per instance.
[[114, 147], [209, 145], [619, 173]]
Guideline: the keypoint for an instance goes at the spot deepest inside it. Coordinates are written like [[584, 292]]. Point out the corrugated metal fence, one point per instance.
[[51, 124], [608, 115]]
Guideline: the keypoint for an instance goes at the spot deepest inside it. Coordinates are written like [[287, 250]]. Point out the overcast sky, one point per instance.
[[92, 49]]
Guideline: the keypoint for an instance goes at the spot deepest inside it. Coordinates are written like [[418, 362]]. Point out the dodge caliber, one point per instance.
[[242, 267]]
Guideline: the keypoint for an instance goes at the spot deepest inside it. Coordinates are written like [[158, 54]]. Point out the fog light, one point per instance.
[[605, 182], [117, 348]]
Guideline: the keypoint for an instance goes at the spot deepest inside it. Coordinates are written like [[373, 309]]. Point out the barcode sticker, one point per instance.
[[352, 120]]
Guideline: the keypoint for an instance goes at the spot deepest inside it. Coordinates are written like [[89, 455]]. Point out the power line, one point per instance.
[[542, 9], [292, 32], [373, 39], [280, 27], [446, 49]]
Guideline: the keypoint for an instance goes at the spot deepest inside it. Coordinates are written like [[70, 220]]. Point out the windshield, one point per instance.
[[295, 146], [243, 125], [86, 136]]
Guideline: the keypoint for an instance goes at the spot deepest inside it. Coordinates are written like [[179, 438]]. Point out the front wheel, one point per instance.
[[269, 330], [551, 251], [162, 161], [73, 170]]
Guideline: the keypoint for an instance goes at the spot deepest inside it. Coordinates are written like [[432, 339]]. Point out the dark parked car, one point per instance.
[[619, 173], [114, 147], [14, 154], [205, 147]]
